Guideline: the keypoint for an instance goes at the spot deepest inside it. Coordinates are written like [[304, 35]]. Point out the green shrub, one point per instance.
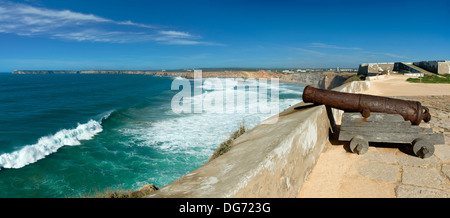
[[431, 79], [355, 78]]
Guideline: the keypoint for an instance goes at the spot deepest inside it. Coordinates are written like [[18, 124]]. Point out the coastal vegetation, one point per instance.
[[355, 78], [431, 79], [228, 144]]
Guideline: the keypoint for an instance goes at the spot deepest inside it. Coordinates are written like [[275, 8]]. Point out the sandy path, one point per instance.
[[396, 85]]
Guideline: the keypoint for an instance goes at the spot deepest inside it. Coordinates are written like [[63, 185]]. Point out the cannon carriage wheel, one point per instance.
[[422, 148], [359, 145]]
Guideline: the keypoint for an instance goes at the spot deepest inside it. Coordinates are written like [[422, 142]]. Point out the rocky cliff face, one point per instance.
[[324, 80]]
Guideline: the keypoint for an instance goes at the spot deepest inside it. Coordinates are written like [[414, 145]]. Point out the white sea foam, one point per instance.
[[49, 144], [178, 77], [199, 134]]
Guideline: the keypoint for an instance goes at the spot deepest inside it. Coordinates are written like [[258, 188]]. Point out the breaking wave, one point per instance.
[[199, 134], [50, 144]]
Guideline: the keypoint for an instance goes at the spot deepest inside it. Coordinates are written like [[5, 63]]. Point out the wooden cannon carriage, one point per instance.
[[369, 118], [387, 128]]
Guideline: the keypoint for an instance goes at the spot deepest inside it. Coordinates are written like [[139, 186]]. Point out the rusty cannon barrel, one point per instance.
[[410, 110]]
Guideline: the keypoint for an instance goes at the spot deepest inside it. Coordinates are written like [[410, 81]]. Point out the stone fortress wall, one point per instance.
[[373, 69]]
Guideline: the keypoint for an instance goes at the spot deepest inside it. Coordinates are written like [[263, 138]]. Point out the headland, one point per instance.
[[323, 78]]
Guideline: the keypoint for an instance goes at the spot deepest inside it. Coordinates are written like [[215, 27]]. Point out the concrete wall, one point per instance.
[[372, 69], [270, 160], [439, 67], [431, 66], [404, 68], [444, 67], [377, 77]]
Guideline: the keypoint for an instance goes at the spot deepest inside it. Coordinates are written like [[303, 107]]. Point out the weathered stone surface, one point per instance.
[[410, 160], [408, 191], [378, 171], [446, 170], [442, 152], [386, 155], [423, 177], [335, 176]]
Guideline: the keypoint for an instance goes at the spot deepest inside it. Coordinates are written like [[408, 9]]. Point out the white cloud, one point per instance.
[[64, 15], [130, 23], [394, 55], [343, 56], [175, 37], [175, 34], [310, 52], [26, 20], [93, 36], [181, 38], [323, 45]]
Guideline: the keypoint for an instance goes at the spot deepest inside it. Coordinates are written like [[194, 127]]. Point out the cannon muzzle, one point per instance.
[[410, 110]]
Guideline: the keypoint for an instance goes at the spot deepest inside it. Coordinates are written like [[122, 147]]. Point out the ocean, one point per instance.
[[71, 135]]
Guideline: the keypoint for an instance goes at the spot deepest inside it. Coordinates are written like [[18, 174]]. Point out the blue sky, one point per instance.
[[140, 35]]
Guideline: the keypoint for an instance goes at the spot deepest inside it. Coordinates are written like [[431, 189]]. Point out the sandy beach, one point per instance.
[[386, 171]]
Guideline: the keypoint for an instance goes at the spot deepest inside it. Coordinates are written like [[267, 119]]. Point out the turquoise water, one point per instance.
[[68, 135]]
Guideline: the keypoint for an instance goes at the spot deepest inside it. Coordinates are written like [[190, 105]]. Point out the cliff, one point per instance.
[[325, 80]]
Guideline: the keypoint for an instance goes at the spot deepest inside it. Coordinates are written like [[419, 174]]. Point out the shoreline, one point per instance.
[[322, 79]]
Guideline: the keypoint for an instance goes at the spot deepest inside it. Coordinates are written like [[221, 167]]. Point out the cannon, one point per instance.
[[388, 123], [412, 111]]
